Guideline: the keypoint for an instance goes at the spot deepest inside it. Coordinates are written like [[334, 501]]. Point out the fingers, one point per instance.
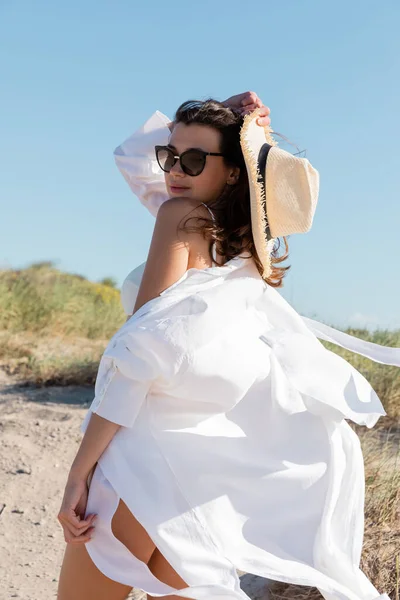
[[264, 110], [73, 521], [247, 102], [81, 539], [263, 120], [251, 98], [76, 530], [248, 108]]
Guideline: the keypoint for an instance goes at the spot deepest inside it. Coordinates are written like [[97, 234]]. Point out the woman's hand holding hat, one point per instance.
[[246, 103]]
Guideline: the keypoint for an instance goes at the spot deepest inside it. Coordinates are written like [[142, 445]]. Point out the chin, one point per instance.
[[179, 192]]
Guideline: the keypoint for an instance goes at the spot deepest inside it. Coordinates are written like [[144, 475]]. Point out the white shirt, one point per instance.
[[234, 450]]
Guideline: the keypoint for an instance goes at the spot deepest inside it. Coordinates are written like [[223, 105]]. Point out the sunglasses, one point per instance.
[[192, 161]]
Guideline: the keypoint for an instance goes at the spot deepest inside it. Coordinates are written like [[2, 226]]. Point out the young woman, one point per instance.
[[217, 438]]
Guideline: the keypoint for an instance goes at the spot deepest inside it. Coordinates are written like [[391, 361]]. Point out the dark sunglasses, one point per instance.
[[192, 161]]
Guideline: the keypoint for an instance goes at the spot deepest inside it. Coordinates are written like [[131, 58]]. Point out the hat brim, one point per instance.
[[252, 137]]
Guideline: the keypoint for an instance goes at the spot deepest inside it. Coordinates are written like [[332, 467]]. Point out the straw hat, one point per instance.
[[283, 188]]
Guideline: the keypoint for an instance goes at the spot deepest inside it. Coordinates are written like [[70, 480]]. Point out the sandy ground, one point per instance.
[[39, 437]]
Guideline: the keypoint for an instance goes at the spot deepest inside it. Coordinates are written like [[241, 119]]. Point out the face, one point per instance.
[[216, 174]]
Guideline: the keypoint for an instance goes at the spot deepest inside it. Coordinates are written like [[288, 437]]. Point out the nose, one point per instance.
[[177, 169]]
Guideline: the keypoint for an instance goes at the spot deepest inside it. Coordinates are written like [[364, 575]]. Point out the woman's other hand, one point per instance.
[[246, 103], [72, 511]]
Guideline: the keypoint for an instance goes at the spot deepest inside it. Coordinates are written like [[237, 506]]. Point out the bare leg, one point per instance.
[[131, 533], [80, 579], [161, 568]]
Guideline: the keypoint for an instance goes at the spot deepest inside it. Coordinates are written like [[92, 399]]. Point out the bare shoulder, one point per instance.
[[170, 249], [197, 243], [177, 208]]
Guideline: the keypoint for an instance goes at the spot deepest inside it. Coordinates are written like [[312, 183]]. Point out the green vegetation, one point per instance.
[[54, 327], [385, 379], [43, 300]]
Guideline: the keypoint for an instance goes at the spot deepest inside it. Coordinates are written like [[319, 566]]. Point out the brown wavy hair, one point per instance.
[[232, 228]]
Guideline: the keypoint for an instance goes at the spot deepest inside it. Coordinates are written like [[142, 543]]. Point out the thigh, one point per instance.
[[131, 533], [161, 568], [80, 579]]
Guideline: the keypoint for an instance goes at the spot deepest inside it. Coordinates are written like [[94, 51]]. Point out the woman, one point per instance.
[[207, 448]]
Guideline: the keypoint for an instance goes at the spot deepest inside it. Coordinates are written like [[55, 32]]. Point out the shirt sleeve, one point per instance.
[[129, 366], [136, 160], [130, 288]]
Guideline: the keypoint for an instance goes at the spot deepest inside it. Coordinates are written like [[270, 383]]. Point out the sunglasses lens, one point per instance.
[[165, 159], [193, 162]]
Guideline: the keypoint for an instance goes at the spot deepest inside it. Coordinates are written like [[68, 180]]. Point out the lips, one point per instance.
[[179, 187]]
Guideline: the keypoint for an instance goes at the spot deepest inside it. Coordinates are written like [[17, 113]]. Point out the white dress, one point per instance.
[[234, 451]]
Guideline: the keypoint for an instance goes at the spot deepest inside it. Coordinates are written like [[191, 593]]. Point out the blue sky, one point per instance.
[[79, 77]]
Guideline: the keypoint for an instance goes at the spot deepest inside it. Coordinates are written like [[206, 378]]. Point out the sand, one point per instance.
[[39, 437]]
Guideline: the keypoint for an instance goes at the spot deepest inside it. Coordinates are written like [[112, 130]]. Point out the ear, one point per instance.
[[233, 176]]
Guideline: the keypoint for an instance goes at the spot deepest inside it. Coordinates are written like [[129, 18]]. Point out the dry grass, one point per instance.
[[385, 379], [380, 559], [45, 301], [55, 326], [50, 360]]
